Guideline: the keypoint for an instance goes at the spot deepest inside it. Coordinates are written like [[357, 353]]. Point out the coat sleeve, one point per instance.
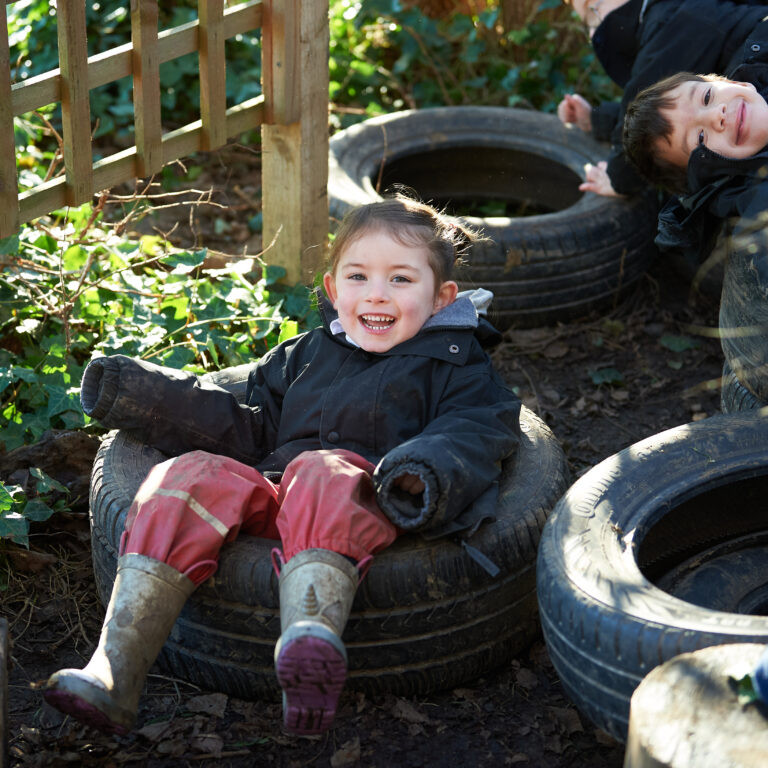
[[173, 410], [458, 456], [605, 117]]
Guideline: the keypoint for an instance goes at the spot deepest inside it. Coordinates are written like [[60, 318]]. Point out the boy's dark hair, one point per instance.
[[412, 223], [645, 125]]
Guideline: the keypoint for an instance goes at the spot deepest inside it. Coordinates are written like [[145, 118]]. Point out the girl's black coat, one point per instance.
[[644, 41], [431, 406]]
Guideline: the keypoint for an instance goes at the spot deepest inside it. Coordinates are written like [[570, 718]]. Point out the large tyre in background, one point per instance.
[[744, 319], [576, 253], [425, 617], [643, 517], [734, 396]]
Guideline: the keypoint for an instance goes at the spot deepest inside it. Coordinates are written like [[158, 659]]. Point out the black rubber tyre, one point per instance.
[[731, 576], [744, 321], [580, 252], [425, 617], [734, 396], [621, 528]]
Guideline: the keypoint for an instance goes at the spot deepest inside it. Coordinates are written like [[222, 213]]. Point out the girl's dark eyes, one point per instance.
[[401, 279], [707, 97]]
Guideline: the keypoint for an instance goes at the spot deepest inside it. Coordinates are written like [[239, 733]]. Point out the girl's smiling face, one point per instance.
[[384, 291], [728, 117]]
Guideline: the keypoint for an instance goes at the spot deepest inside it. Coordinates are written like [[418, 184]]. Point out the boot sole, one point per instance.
[[312, 673], [88, 703]]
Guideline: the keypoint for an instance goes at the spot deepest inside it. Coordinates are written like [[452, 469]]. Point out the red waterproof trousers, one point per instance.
[[189, 506]]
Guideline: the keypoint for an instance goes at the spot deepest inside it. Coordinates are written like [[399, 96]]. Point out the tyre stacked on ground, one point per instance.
[[553, 253], [659, 550], [426, 616], [744, 331]]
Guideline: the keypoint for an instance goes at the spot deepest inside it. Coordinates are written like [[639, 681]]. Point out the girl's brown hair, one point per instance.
[[413, 224]]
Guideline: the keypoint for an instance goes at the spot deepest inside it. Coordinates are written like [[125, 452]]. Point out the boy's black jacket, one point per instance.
[[431, 406], [644, 41]]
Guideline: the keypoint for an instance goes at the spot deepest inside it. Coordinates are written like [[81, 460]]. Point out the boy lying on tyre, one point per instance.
[[640, 41], [388, 419], [705, 137]]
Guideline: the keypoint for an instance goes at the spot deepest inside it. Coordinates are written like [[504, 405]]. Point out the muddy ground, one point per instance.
[[665, 375]]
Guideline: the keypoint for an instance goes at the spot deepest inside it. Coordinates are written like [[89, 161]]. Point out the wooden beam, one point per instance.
[[75, 102], [295, 153], [115, 63], [146, 87], [9, 185], [121, 166], [281, 49], [213, 79]]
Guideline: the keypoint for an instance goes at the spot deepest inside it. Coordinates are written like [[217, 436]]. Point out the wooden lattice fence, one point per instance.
[[292, 112]]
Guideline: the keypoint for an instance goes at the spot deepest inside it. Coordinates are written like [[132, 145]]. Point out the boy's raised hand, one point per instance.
[[577, 110], [598, 180]]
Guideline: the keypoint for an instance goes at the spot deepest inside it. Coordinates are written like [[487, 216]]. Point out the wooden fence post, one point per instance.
[[9, 186], [75, 101], [146, 87], [295, 135], [213, 83]]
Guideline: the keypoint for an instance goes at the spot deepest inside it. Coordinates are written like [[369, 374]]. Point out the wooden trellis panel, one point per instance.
[[292, 113]]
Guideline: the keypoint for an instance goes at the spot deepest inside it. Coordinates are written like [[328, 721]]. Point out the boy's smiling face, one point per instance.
[[728, 117], [384, 291]]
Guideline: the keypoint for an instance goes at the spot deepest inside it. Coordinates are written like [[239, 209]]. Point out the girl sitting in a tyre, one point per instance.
[[388, 419]]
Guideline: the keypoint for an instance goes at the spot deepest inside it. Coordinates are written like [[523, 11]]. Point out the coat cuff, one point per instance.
[[99, 386], [407, 511]]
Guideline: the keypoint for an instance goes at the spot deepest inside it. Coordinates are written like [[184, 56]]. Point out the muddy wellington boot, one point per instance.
[[147, 597], [317, 587]]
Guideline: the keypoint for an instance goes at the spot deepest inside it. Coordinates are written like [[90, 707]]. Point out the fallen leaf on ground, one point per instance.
[[348, 754], [210, 704], [404, 710]]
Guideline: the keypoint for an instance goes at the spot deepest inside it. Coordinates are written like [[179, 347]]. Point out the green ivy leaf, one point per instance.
[[745, 689], [606, 376], [185, 262], [60, 399], [37, 511], [46, 483], [679, 343], [14, 526], [288, 329], [6, 500]]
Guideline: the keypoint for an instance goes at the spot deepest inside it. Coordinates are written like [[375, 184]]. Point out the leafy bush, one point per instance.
[[75, 289], [386, 56], [18, 511]]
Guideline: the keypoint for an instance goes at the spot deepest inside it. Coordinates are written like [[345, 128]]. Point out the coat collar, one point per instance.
[[447, 335]]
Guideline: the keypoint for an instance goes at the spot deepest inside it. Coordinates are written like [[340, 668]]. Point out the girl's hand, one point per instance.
[[410, 483], [577, 110], [598, 180]]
